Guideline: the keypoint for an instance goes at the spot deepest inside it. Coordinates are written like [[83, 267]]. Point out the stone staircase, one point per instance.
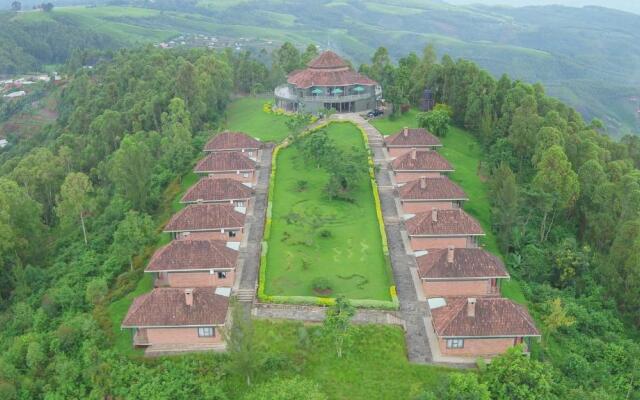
[[245, 295]]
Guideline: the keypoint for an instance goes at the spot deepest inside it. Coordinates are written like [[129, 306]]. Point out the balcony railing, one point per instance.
[[284, 92]]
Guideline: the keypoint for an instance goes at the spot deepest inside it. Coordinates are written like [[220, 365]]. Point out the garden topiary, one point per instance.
[[321, 286]]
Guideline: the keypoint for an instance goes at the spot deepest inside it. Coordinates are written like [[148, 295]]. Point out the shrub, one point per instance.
[[325, 233], [302, 185], [321, 285]]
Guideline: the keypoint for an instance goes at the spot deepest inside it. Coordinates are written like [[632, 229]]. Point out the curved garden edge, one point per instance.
[[393, 304]]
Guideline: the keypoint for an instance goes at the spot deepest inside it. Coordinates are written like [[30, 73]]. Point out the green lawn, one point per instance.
[[373, 367], [246, 115], [464, 152], [351, 258]]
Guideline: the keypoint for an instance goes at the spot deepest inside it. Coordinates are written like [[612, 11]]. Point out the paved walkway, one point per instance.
[[412, 310], [249, 258], [317, 314]]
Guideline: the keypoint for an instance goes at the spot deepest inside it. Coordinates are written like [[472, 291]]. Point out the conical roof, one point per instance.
[[327, 60]]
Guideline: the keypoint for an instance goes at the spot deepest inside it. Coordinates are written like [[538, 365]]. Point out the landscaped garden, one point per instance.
[[319, 245], [463, 151], [247, 115]]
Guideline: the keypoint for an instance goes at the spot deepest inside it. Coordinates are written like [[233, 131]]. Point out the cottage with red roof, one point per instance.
[[459, 272], [425, 194], [219, 190], [207, 221], [410, 138], [229, 164], [235, 141], [479, 327], [439, 229], [179, 319], [194, 263], [418, 163], [328, 82]]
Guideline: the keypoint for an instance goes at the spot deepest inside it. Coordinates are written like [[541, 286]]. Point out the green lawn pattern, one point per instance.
[[464, 152], [351, 258]]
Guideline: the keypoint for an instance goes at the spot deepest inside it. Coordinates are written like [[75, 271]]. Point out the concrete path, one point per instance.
[[249, 258], [412, 310], [317, 314]]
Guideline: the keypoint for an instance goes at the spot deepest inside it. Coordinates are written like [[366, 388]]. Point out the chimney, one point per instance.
[[471, 307], [413, 153], [434, 215], [423, 182], [405, 131], [188, 297], [450, 252]]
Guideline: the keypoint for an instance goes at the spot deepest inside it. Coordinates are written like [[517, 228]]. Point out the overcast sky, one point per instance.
[[626, 5]]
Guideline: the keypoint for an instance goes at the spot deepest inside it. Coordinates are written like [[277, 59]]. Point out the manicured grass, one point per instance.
[[464, 152], [246, 115], [374, 366], [351, 258]]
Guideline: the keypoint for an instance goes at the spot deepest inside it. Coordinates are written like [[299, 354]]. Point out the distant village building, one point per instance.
[[3, 143], [328, 82]]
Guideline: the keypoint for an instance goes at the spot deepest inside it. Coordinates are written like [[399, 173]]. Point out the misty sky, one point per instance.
[[626, 5]]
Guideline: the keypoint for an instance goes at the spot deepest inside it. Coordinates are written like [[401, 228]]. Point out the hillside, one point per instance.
[[588, 57]]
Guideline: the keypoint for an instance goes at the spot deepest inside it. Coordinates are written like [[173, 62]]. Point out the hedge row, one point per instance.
[[393, 304]]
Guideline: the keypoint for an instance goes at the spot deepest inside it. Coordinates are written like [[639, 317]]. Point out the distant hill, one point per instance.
[[624, 5], [588, 57]]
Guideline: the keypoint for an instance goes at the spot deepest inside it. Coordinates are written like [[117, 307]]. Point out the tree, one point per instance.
[[132, 234], [288, 57], [346, 170], [504, 199], [297, 122], [47, 7], [318, 148], [177, 147], [74, 201], [557, 186], [296, 388], [436, 121], [130, 169], [514, 376], [16, 6], [309, 54], [557, 316], [245, 359], [337, 323]]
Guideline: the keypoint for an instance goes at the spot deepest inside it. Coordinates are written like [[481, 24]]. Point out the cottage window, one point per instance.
[[239, 203], [222, 274], [246, 174], [455, 343], [232, 233], [206, 331]]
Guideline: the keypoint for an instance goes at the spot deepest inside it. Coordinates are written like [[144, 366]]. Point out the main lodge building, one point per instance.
[[328, 82]]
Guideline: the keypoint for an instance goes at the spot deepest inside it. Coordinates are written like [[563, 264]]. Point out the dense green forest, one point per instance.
[[82, 201]]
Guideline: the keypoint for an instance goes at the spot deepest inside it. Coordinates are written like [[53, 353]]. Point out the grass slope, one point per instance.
[[464, 152], [246, 115], [351, 258]]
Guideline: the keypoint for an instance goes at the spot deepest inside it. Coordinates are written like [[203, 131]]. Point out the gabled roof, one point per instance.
[[167, 307], [180, 255], [466, 263], [421, 160], [412, 137], [445, 223], [494, 316], [328, 69], [225, 161], [435, 188], [216, 189], [205, 217], [232, 141]]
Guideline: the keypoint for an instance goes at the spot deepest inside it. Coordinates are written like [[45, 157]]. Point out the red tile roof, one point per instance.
[[437, 188], [447, 222], [225, 161], [167, 307], [421, 160], [217, 189], [494, 316], [205, 217], [232, 141], [181, 255], [328, 69], [466, 263], [412, 137]]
